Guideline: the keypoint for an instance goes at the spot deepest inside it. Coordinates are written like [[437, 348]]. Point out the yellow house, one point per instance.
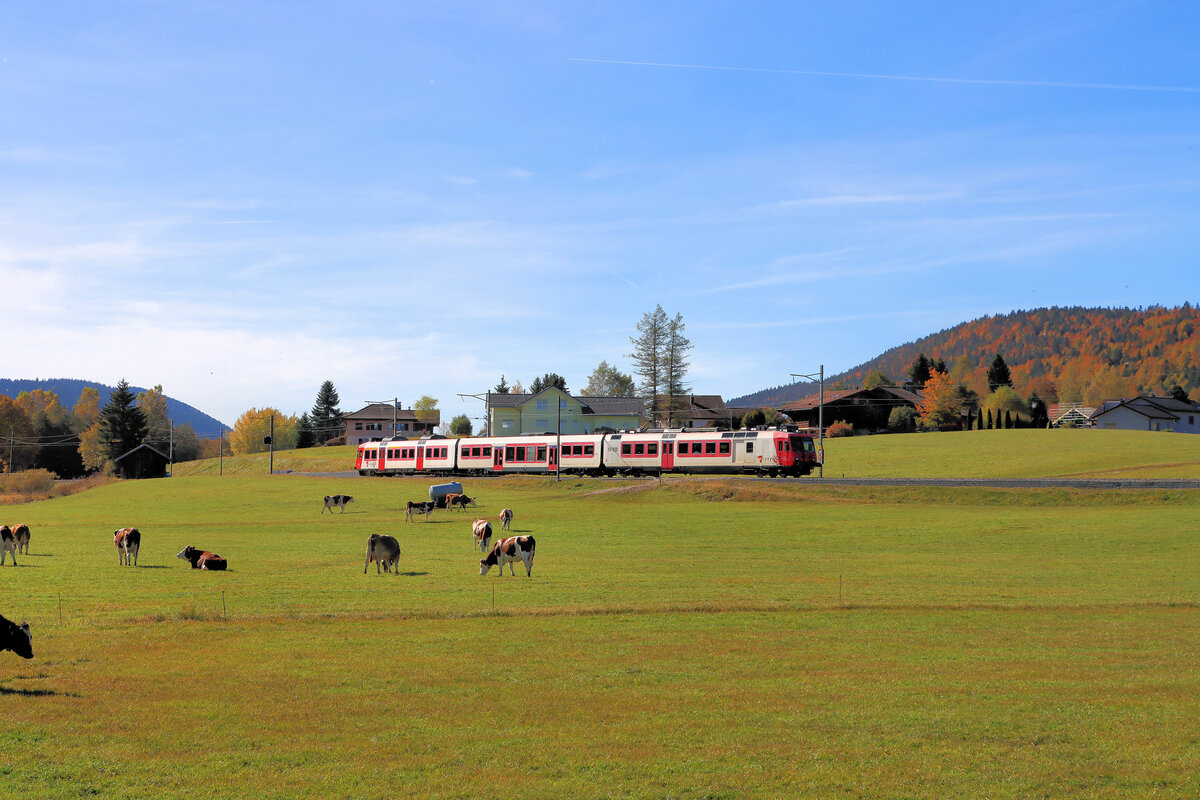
[[553, 410]]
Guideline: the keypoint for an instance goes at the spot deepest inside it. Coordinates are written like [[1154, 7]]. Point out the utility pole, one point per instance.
[[221, 468], [171, 449], [558, 441], [395, 401], [820, 418], [271, 444]]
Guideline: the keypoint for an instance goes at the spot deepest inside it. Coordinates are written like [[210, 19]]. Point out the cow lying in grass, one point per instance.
[[8, 544], [507, 551], [16, 638], [482, 531], [202, 559], [128, 542], [384, 550], [20, 533], [425, 508]]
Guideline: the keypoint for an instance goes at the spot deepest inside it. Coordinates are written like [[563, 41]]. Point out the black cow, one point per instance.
[[202, 559], [16, 638], [425, 508], [384, 550]]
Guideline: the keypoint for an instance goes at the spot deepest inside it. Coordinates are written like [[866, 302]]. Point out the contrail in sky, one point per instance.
[[1042, 84]]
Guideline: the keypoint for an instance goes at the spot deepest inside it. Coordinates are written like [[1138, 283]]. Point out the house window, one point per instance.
[[543, 405], [562, 404], [508, 423], [541, 424]]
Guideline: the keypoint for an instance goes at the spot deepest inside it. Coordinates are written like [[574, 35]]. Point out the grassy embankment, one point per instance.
[[700, 639]]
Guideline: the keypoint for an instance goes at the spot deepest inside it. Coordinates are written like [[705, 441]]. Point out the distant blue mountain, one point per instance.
[[69, 390]]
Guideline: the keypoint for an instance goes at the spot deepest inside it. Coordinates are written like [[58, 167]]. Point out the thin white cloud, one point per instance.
[[925, 78]]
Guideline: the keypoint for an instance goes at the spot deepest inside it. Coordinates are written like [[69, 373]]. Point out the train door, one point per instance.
[[553, 464], [497, 458], [420, 457], [668, 455]]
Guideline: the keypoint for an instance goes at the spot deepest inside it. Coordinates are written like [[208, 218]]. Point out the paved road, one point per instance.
[[990, 483]]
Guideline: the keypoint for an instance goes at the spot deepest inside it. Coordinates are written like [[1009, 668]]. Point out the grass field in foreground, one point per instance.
[[966, 454], [714, 639]]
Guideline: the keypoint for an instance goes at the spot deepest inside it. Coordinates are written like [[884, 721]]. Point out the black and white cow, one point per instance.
[[16, 638], [482, 531], [425, 508], [507, 551], [506, 519], [333, 501], [128, 542], [384, 550], [202, 559], [8, 544], [21, 534]]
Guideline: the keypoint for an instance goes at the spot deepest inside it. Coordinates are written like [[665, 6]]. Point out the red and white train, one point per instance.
[[693, 450]]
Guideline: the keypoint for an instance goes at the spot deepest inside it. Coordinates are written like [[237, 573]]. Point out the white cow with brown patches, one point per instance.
[[482, 531], [508, 551]]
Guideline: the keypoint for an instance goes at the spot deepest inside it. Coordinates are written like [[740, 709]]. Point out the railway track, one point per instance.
[[983, 483]]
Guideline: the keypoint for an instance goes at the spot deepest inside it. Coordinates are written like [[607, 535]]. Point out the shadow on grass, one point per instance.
[[4, 690], [412, 574], [154, 566]]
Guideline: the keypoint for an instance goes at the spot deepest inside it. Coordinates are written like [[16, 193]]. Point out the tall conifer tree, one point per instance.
[[326, 417], [122, 424]]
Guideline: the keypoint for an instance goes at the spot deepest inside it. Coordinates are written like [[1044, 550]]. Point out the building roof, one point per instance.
[[602, 406], [384, 411], [833, 396], [1152, 407], [144, 446]]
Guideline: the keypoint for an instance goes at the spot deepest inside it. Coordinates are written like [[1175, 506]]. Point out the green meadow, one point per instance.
[[689, 639]]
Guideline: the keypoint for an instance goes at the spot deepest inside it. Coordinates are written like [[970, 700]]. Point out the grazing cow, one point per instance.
[[482, 529], [21, 534], [128, 542], [16, 638], [384, 550], [202, 559], [506, 519], [333, 501], [425, 508], [460, 500], [7, 544], [506, 551]]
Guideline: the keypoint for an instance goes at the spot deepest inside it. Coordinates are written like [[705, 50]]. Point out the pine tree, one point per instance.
[[998, 373], [304, 432], [647, 357], [919, 370], [675, 365], [326, 417], [547, 380], [501, 387], [122, 424]]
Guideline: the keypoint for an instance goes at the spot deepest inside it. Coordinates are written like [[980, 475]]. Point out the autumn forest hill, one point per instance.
[[1081, 355]]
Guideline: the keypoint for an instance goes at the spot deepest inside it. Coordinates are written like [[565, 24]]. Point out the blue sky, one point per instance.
[[240, 200]]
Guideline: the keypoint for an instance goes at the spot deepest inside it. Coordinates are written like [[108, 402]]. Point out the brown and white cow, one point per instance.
[[384, 550], [333, 501], [482, 530], [202, 559], [16, 638], [21, 534], [128, 542], [508, 551], [460, 500], [8, 544], [506, 519]]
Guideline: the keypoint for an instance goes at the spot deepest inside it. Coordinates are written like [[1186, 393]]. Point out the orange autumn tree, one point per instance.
[[939, 406]]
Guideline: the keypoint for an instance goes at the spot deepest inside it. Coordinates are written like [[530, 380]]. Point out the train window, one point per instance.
[[541, 453], [779, 446], [749, 447], [652, 449], [710, 448], [589, 450], [487, 451], [579, 450], [639, 449], [508, 453], [475, 452], [724, 448], [625, 449]]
